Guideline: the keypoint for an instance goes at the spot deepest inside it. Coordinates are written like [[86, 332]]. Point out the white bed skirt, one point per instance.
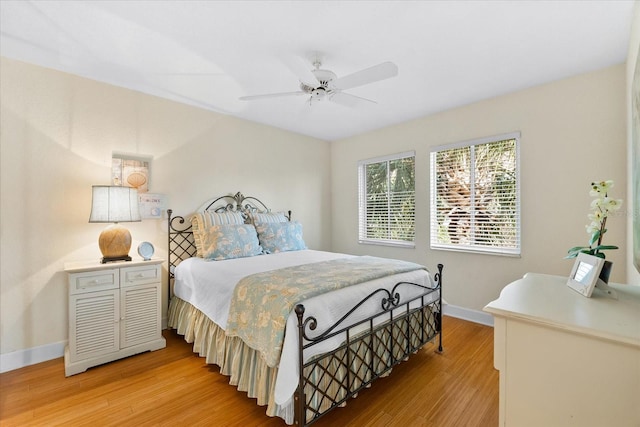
[[246, 369]]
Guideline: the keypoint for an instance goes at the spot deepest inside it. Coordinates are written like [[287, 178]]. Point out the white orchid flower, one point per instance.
[[600, 206], [596, 216], [600, 187], [596, 203], [611, 205], [593, 227]]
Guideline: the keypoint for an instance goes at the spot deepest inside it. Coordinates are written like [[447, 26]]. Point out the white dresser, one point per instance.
[[567, 360], [114, 312]]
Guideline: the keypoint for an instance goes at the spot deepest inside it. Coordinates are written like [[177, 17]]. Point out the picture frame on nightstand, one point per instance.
[[146, 251]]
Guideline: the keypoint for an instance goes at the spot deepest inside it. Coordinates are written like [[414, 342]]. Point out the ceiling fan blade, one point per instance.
[[302, 70], [349, 100], [368, 75], [270, 95], [188, 74]]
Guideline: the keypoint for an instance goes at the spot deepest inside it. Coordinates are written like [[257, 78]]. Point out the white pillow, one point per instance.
[[264, 217]]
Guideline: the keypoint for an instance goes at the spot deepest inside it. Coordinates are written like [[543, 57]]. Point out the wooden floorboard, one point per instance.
[[174, 386]]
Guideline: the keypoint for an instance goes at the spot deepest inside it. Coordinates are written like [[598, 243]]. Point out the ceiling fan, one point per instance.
[[322, 84]]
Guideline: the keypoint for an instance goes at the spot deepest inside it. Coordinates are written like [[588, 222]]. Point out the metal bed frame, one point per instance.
[[370, 348]]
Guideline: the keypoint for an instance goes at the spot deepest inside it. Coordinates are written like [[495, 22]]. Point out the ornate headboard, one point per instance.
[[181, 244]]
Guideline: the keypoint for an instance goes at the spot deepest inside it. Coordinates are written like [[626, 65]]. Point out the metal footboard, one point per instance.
[[370, 348]]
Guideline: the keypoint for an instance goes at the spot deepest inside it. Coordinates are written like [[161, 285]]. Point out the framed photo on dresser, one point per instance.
[[585, 272]]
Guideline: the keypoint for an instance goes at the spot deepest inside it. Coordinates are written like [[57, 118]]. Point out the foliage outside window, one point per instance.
[[387, 202], [475, 196]]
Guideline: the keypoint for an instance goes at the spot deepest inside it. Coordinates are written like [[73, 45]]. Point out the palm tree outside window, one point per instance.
[[475, 196], [387, 200]]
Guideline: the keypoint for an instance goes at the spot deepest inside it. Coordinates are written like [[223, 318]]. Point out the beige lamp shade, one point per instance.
[[114, 204]]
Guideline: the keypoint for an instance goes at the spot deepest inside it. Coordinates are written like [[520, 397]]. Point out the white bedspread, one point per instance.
[[208, 286]]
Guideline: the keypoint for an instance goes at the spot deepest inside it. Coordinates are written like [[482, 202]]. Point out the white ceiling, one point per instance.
[[210, 53]]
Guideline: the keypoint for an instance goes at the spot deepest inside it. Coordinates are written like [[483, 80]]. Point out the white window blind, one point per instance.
[[475, 195], [387, 203]]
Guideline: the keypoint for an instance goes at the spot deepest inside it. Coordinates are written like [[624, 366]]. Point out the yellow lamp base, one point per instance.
[[114, 243]]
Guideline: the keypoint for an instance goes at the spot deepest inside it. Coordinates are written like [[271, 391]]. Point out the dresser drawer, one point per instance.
[[131, 276], [93, 281]]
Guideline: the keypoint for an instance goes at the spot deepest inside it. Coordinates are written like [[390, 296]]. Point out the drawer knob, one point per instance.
[[95, 282], [137, 276]]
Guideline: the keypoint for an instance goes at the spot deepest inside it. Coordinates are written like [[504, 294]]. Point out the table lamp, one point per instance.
[[114, 204]]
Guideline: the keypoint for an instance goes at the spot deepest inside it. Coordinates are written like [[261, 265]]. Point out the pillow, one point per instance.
[[280, 236], [202, 221], [230, 241], [263, 217]]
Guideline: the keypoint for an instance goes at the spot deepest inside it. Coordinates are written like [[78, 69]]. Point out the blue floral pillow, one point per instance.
[[201, 222], [230, 241], [280, 236]]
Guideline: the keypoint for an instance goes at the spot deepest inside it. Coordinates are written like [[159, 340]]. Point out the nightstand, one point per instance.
[[114, 312]]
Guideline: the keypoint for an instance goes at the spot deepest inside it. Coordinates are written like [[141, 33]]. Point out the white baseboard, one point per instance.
[[31, 356], [468, 314]]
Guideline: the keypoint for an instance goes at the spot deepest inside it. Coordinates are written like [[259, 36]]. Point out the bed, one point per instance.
[[300, 330]]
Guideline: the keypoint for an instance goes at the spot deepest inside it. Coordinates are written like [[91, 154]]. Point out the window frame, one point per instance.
[[475, 248], [362, 197]]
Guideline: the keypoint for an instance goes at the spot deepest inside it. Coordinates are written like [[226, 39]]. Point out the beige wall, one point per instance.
[[573, 132], [58, 134]]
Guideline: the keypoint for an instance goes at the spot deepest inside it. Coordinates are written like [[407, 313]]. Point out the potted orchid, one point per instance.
[[601, 207]]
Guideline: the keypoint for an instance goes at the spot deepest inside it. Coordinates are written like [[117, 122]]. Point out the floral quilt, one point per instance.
[[262, 302]]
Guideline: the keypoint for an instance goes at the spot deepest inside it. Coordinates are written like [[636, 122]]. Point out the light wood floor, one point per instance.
[[173, 386]]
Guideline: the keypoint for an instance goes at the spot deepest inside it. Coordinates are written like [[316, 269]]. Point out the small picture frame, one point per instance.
[[130, 171], [152, 205], [584, 274]]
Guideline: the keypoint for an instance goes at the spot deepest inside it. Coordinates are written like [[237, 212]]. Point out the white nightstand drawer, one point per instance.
[[131, 276], [93, 281]]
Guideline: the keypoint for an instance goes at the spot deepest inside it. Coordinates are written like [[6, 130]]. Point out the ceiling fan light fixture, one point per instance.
[[320, 93]]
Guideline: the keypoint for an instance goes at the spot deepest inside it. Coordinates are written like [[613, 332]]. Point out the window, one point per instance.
[[387, 202], [475, 196]]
